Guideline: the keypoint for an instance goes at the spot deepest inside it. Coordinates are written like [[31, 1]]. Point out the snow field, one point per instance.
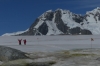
[[51, 43]]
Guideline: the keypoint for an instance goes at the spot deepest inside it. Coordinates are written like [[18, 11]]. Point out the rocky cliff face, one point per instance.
[[61, 22]]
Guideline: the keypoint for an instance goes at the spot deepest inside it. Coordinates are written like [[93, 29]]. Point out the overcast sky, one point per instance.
[[18, 15]]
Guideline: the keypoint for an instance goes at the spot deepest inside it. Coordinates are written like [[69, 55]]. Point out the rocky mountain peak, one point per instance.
[[61, 21], [94, 11]]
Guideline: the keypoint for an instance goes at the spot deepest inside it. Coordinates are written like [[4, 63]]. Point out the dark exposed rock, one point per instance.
[[8, 54], [12, 65], [99, 17], [98, 59], [86, 32], [75, 31], [43, 28], [78, 30], [49, 16], [59, 23], [78, 18], [31, 29], [26, 63], [40, 64]]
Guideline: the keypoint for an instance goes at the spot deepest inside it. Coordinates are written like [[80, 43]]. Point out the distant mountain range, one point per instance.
[[64, 22]]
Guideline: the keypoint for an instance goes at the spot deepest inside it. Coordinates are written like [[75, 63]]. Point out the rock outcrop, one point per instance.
[[8, 54]]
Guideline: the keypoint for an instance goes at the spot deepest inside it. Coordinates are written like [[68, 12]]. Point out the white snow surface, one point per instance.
[[15, 33], [94, 11], [51, 43], [67, 19]]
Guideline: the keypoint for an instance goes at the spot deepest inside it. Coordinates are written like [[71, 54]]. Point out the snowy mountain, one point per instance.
[[15, 33], [61, 22]]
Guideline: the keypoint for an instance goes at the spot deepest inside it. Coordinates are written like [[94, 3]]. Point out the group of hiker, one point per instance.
[[20, 41]]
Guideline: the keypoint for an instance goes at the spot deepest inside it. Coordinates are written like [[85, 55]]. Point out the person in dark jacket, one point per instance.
[[19, 40], [24, 41]]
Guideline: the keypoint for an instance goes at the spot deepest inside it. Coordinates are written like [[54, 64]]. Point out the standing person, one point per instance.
[[19, 40], [24, 41]]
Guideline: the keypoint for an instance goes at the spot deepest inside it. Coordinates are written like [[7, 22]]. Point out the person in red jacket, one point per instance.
[[19, 40], [24, 41]]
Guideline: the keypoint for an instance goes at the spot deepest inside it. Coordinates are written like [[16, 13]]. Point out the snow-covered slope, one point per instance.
[[92, 21], [15, 33], [64, 22]]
